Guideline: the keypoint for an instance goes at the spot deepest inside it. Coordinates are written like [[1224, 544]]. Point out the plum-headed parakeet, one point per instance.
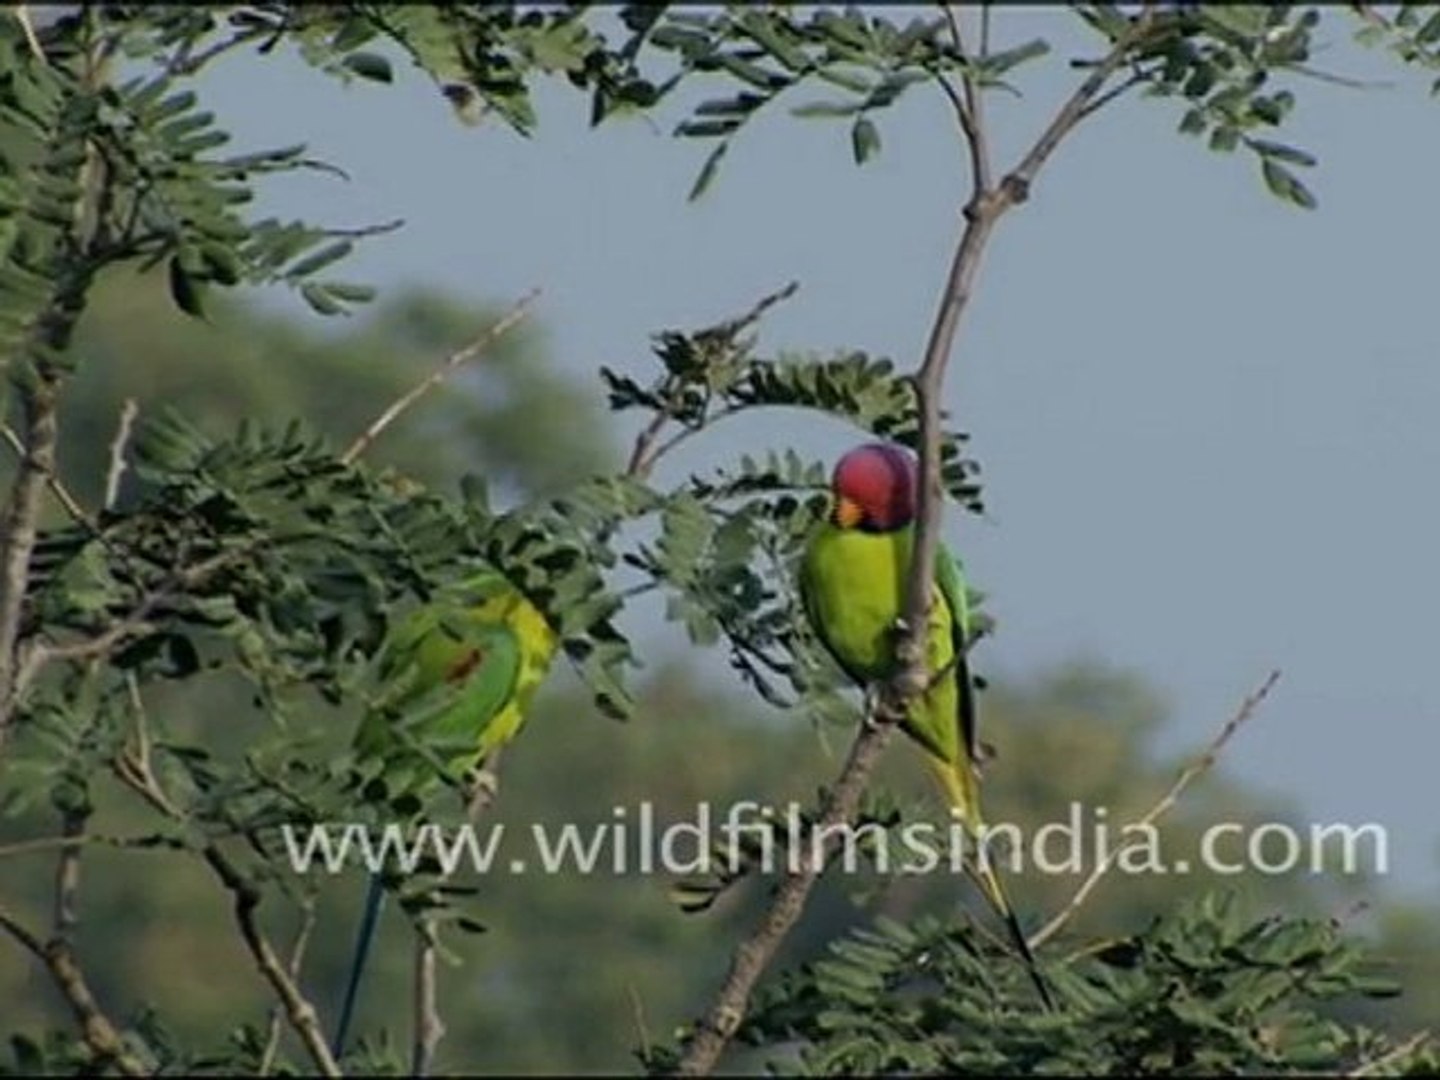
[[456, 679], [853, 581]]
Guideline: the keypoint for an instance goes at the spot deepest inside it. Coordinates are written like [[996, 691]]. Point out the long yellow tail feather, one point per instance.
[[962, 793]]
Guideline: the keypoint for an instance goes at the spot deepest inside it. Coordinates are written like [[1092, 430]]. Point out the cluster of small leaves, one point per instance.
[[1412, 34], [1202, 990], [1220, 61], [244, 1052], [557, 551], [97, 174], [868, 58], [44, 265]]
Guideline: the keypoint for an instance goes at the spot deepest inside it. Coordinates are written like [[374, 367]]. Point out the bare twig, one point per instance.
[[134, 770], [1187, 776], [1020, 179], [297, 960], [648, 448], [429, 1028], [438, 376], [98, 1031], [1393, 1056], [22, 14], [969, 109], [298, 1009], [57, 486], [983, 211], [116, 470]]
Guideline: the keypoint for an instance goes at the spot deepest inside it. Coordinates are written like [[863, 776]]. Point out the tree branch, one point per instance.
[[648, 448], [1020, 179], [134, 770], [57, 486], [439, 375], [297, 960], [1187, 776], [116, 470], [19, 532], [99, 1033], [754, 954]]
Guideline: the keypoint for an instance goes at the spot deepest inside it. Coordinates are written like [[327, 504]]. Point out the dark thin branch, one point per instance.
[[648, 448], [754, 954], [57, 486], [1019, 180]]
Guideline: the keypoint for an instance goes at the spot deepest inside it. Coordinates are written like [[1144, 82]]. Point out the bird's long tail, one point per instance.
[[369, 918], [962, 790]]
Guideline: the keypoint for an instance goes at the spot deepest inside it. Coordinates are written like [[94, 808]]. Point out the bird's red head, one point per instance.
[[874, 487]]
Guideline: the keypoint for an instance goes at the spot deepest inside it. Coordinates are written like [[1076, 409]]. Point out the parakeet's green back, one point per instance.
[[457, 677]]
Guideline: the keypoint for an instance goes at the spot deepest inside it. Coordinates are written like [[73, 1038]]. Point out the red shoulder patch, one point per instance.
[[463, 667]]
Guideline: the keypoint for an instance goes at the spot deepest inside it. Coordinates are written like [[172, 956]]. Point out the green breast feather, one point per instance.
[[853, 584]]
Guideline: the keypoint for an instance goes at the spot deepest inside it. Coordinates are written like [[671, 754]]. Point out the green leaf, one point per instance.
[[864, 140], [185, 290], [1285, 184], [321, 259], [826, 108], [707, 171], [1280, 152], [370, 65], [319, 298]]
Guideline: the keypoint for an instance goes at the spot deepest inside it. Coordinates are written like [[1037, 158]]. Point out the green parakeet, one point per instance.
[[456, 676], [853, 582]]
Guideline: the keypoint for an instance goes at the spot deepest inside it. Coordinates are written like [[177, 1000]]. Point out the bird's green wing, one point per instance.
[[446, 675], [951, 581]]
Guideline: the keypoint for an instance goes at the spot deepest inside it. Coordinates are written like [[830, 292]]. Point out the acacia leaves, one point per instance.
[[1203, 990]]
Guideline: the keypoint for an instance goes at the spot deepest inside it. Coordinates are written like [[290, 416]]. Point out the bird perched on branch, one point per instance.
[[457, 676], [854, 580]]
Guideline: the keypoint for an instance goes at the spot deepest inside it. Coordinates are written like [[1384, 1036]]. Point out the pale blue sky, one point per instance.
[[1206, 418]]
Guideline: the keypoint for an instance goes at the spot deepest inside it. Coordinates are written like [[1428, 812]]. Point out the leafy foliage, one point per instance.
[[266, 567], [1202, 990]]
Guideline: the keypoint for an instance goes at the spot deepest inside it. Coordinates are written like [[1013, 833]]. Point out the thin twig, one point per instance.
[[134, 770], [983, 211], [116, 471], [1073, 111], [22, 13], [98, 1031], [1393, 1056], [648, 448], [438, 376], [297, 960], [969, 111], [1187, 776], [57, 486], [429, 1028]]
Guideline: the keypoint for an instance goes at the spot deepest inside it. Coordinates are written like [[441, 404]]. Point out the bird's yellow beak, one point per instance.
[[848, 513]]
